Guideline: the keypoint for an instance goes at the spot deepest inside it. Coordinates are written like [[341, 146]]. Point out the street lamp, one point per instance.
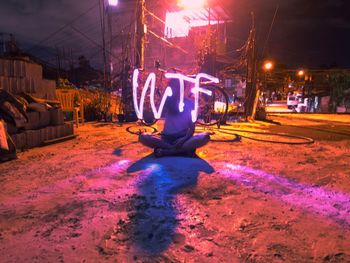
[[268, 66], [193, 4], [113, 2], [301, 73]]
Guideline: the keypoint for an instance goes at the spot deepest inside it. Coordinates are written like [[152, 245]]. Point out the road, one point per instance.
[[277, 106]]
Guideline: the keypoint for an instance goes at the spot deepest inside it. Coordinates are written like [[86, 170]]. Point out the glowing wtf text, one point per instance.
[[151, 84]]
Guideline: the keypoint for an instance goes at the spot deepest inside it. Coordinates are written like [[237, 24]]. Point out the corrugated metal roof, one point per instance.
[[179, 23]]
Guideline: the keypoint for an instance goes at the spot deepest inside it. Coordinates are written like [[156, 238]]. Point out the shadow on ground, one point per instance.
[[154, 215], [118, 151]]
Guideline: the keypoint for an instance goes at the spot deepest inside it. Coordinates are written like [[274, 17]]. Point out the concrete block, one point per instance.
[[59, 131], [63, 130], [69, 128], [52, 132], [44, 119], [20, 140], [56, 117], [33, 138], [11, 129], [33, 121], [44, 134]]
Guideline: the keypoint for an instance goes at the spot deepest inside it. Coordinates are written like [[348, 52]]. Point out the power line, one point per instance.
[[270, 30], [167, 41], [63, 27], [91, 40], [83, 36], [119, 33], [67, 38]]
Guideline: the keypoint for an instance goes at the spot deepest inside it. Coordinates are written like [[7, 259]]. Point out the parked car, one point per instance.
[[293, 100]]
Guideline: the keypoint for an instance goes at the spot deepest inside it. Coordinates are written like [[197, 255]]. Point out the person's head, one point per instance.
[[172, 103]]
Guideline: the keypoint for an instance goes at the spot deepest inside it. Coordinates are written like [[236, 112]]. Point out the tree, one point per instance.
[[339, 87]]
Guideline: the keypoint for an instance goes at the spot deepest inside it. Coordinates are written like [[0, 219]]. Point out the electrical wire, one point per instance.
[[305, 140], [270, 30], [63, 27], [66, 39], [116, 36], [91, 40], [139, 131], [167, 41], [236, 133]]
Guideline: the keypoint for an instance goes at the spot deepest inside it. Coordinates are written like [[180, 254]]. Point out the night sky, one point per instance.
[[307, 33]]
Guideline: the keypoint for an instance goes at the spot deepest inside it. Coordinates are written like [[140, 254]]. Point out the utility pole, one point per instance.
[[103, 32], [140, 34], [139, 60], [58, 57], [251, 91], [110, 37]]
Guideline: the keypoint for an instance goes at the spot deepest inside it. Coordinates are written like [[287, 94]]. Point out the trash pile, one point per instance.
[[29, 114]]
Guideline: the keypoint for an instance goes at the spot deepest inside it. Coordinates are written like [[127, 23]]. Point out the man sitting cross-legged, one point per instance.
[[177, 137]]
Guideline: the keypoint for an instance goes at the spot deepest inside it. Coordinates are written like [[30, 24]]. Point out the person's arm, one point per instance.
[[190, 131]]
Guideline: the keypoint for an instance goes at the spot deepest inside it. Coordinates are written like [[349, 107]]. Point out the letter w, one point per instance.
[[150, 83]]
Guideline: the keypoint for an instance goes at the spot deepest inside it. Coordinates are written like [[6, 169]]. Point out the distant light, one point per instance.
[[176, 25], [219, 106], [301, 73], [268, 65], [113, 2], [179, 23], [193, 4]]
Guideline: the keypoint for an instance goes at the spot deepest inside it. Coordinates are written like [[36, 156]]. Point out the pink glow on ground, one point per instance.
[[331, 204], [328, 203], [66, 186]]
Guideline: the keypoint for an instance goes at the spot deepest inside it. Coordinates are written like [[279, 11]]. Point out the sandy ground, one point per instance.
[[103, 198]]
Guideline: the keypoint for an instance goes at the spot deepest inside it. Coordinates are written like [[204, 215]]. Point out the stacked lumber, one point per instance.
[[21, 75], [20, 68], [34, 138], [18, 76], [17, 85]]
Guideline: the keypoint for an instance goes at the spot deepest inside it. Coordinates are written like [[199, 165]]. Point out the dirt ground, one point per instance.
[[104, 198]]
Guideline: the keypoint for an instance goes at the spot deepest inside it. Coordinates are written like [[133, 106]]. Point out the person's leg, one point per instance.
[[189, 147], [195, 142], [153, 141]]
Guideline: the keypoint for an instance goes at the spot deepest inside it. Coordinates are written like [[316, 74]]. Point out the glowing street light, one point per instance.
[[113, 2], [193, 4], [268, 65], [301, 73]]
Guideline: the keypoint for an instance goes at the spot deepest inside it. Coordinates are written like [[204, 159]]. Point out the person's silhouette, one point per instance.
[[177, 137], [154, 220]]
